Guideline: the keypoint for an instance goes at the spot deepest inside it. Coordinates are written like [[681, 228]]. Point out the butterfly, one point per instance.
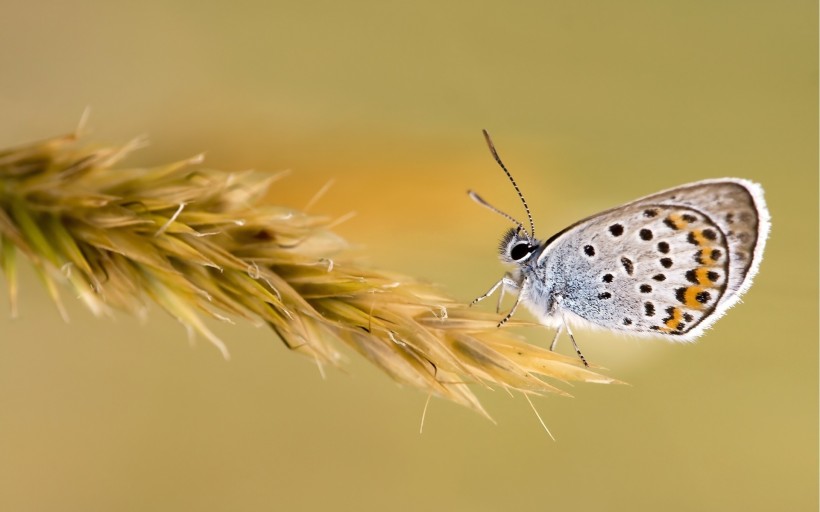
[[669, 264]]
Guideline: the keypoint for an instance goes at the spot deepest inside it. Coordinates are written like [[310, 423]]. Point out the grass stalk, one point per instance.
[[200, 243]]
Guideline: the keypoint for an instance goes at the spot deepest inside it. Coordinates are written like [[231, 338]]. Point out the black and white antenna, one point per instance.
[[480, 200], [475, 197]]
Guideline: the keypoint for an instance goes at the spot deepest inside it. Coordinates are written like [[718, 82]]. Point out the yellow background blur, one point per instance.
[[591, 103]]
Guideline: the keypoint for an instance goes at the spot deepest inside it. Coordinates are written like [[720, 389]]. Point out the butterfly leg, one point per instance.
[[575, 345], [517, 301], [501, 296], [487, 293], [555, 338], [505, 282]]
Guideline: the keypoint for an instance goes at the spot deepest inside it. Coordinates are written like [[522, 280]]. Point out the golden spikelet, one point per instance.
[[197, 241]]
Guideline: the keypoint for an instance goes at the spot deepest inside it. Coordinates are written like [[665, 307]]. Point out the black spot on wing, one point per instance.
[[691, 238], [670, 223], [629, 267], [691, 276]]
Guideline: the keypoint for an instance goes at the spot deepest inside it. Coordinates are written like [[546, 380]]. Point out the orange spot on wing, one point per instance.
[[702, 275], [706, 256], [699, 238], [673, 321], [676, 220], [690, 297]]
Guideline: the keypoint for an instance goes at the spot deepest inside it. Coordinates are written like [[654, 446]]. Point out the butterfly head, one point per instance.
[[517, 246]]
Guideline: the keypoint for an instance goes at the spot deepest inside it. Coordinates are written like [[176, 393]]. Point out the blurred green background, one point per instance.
[[591, 103]]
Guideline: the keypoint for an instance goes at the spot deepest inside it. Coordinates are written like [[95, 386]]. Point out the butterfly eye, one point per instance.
[[520, 251]]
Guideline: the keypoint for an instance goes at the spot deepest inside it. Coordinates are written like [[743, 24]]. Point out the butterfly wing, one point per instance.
[[670, 263]]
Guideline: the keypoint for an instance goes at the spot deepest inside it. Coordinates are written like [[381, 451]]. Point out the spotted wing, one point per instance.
[[670, 263]]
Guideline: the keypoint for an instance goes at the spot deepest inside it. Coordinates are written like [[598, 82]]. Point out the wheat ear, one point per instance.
[[199, 243]]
